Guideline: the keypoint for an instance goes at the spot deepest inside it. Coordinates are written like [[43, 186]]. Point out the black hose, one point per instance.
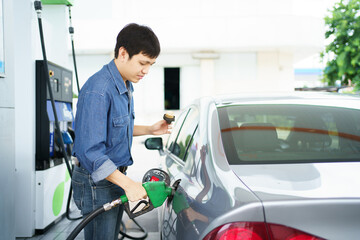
[[71, 31], [132, 237], [84, 222], [68, 206], [75, 68]]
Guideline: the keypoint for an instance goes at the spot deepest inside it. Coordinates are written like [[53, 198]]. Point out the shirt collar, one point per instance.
[[118, 80]]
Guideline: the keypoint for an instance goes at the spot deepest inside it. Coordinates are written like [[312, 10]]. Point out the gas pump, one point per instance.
[[52, 177]]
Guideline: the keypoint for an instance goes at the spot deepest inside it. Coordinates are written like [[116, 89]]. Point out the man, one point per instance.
[[104, 127]]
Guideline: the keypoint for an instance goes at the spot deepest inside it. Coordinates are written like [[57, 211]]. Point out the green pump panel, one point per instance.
[[58, 2]]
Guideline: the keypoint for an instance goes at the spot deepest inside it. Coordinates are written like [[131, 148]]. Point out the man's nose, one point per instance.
[[146, 69]]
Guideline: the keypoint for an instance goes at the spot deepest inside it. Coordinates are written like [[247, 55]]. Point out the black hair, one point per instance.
[[137, 39]]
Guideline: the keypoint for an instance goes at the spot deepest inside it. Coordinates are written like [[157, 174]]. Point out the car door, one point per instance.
[[180, 152]]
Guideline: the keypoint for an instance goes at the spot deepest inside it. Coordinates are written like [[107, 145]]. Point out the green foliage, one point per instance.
[[343, 53]]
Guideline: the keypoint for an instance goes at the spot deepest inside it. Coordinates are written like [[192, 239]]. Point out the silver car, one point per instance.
[[279, 166]]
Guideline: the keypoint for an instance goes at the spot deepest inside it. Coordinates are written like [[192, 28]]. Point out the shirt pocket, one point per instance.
[[119, 130], [121, 121]]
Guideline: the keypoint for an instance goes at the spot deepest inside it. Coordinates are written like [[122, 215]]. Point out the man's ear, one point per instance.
[[123, 54]]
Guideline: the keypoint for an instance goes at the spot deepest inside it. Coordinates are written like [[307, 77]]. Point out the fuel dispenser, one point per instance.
[[52, 177]]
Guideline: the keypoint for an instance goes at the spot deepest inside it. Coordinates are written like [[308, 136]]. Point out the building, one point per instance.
[[215, 47]]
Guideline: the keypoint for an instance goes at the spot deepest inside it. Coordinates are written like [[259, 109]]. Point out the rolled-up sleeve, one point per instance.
[[91, 133]]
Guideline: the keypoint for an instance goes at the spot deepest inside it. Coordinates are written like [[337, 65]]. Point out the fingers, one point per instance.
[[136, 192], [169, 128], [161, 127]]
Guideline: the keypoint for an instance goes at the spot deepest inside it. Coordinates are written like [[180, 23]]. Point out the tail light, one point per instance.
[[257, 231]]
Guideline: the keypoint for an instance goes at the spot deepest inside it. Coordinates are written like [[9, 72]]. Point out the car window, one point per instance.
[[192, 150], [177, 126], [289, 133], [183, 140], [192, 147]]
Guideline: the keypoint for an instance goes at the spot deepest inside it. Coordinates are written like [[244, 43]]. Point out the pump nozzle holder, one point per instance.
[[169, 117], [37, 5]]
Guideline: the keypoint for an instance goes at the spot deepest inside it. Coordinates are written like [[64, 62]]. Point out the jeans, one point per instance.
[[89, 196]]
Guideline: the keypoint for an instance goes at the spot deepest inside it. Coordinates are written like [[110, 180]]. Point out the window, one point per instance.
[[172, 88], [184, 138], [190, 156], [177, 126], [289, 133]]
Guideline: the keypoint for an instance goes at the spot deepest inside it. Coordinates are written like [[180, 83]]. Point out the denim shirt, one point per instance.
[[104, 123]]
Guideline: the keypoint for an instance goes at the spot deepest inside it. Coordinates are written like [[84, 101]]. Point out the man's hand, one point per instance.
[[159, 128], [134, 190]]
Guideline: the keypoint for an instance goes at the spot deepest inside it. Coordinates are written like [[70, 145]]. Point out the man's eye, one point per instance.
[[142, 64]]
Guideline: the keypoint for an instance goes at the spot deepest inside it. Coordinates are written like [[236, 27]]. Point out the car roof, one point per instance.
[[307, 98]]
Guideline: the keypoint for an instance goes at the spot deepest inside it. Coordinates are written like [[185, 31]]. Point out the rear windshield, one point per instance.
[[289, 133]]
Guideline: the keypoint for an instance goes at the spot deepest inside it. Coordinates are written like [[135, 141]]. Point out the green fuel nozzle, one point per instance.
[[157, 193]]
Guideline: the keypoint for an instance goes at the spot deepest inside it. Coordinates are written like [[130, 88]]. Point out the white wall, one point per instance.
[[275, 71], [7, 128], [189, 76], [235, 72]]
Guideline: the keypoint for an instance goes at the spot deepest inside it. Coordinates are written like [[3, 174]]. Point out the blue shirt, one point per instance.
[[104, 123]]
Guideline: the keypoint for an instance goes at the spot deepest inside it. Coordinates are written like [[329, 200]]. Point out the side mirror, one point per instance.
[[154, 143]]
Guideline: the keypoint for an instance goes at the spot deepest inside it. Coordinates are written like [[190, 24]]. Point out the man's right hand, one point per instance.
[[134, 190]]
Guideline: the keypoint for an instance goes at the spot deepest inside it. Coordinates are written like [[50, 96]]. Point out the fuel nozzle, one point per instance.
[[169, 117], [157, 185], [157, 193]]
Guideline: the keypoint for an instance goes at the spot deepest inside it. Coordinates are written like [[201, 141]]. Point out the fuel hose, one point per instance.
[[98, 211], [71, 32], [84, 222]]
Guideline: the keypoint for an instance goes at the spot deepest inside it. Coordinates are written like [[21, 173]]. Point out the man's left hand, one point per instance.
[[161, 127]]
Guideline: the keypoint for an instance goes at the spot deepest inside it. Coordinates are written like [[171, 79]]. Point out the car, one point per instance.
[[270, 166]]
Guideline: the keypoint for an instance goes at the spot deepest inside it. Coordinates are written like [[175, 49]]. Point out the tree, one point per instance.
[[343, 52]]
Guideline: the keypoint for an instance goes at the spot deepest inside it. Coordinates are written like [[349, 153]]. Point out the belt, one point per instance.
[[122, 169]]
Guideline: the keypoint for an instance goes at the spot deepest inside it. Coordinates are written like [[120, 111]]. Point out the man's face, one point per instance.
[[135, 68]]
